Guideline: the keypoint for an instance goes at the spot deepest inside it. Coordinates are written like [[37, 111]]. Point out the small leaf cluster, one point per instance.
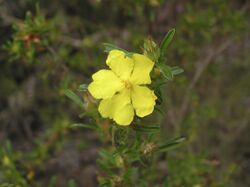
[[30, 38], [10, 172], [132, 155], [158, 55], [162, 71]]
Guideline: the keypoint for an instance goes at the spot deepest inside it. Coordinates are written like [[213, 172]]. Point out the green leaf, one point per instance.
[[75, 98], [106, 161], [166, 71], [103, 166], [83, 87], [166, 41], [158, 94], [176, 70], [171, 144], [120, 150], [104, 182], [78, 125], [109, 47], [147, 128]]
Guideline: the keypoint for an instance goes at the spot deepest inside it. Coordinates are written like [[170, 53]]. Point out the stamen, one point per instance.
[[127, 84]]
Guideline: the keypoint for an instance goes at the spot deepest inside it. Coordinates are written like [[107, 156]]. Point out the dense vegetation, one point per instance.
[[51, 46]]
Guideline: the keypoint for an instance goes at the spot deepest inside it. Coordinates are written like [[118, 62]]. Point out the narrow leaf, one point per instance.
[[78, 125], [176, 70], [104, 167], [166, 41], [75, 98], [109, 47], [83, 87], [171, 144], [158, 95], [147, 128], [166, 71]]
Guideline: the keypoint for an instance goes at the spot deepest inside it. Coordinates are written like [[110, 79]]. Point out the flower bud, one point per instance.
[[151, 50]]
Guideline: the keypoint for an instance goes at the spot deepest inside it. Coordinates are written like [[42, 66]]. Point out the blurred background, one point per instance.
[[58, 44]]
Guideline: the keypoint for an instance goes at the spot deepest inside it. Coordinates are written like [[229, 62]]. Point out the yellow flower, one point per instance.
[[122, 89]]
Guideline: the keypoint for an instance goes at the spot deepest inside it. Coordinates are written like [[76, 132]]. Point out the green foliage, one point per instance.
[[10, 173], [58, 46], [134, 149], [132, 155], [109, 47], [75, 98], [170, 144], [30, 38], [165, 43], [83, 87], [151, 50]]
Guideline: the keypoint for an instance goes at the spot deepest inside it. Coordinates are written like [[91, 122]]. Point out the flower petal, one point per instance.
[[120, 64], [105, 84], [142, 68], [118, 107], [143, 100]]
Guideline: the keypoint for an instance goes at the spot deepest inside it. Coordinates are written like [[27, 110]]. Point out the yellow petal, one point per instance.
[[105, 84], [118, 108], [143, 100], [142, 68], [106, 108], [120, 64]]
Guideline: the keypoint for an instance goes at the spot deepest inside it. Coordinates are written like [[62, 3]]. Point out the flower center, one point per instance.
[[127, 84]]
